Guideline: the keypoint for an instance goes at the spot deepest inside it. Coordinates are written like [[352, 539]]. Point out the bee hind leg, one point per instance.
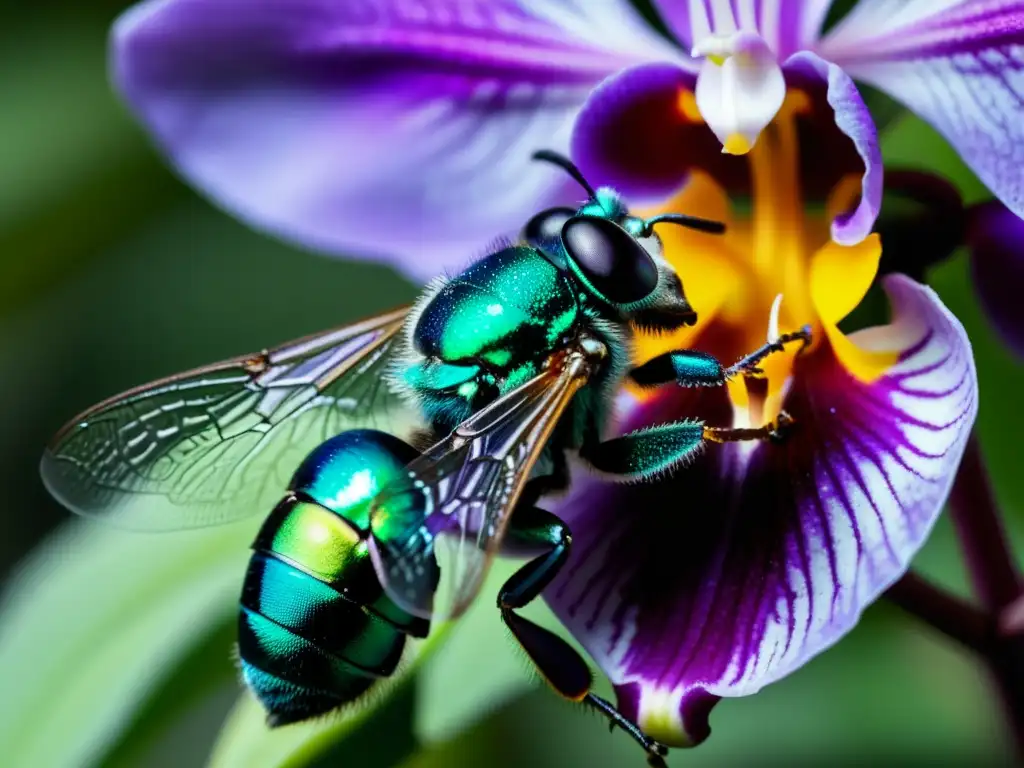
[[531, 530]]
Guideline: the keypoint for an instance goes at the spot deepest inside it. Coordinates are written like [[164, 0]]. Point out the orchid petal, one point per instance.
[[996, 238], [854, 120], [641, 131], [392, 128], [753, 560], [739, 90], [786, 25], [610, 26], [957, 63]]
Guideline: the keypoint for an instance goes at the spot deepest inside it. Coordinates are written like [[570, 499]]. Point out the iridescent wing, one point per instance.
[[453, 507], [220, 443]]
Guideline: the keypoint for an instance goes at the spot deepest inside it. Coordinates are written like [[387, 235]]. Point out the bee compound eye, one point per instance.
[[610, 259], [545, 228]]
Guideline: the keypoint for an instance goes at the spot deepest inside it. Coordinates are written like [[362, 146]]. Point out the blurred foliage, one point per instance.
[[117, 648]]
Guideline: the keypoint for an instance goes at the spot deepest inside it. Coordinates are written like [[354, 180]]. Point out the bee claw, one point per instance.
[[783, 424]]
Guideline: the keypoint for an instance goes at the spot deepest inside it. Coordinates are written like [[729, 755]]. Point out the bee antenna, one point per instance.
[[547, 156], [693, 222]]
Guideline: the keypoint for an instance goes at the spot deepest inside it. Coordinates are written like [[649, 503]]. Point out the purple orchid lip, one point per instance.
[[743, 566]]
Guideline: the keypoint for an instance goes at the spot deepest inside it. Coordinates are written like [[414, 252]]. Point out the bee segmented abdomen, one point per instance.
[[305, 646], [316, 629]]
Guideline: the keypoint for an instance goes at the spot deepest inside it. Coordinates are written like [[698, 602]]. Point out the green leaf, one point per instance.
[[381, 723], [479, 669], [94, 623], [194, 697], [462, 673]]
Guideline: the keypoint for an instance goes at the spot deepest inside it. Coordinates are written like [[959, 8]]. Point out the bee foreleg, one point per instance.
[[690, 368], [774, 430], [686, 367], [647, 453], [747, 365], [532, 529]]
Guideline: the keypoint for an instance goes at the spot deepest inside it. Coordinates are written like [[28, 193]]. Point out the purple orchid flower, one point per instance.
[[404, 130]]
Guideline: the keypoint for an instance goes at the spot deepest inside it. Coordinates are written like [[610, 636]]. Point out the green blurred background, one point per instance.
[[115, 649]]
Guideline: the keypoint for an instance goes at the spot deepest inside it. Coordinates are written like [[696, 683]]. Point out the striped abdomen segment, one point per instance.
[[316, 629]]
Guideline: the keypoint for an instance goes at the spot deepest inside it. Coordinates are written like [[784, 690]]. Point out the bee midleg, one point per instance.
[[532, 529], [647, 453]]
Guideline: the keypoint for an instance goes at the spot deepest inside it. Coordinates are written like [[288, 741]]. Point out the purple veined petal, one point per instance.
[[631, 134], [787, 26], [854, 120], [996, 238], [956, 63], [611, 25], [397, 129], [751, 561]]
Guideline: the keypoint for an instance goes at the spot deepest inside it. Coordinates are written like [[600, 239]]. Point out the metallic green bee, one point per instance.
[[494, 374]]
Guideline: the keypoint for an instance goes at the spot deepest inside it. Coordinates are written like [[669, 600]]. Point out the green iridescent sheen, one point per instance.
[[606, 205], [440, 376], [315, 611], [316, 628], [520, 375], [322, 542], [561, 323], [478, 320], [648, 452], [694, 368], [345, 474], [498, 310], [328, 548], [281, 652]]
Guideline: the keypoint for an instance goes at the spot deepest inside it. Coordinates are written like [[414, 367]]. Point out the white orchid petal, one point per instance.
[[739, 96]]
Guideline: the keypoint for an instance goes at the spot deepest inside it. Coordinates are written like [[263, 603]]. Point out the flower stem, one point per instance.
[[996, 580], [990, 563], [944, 611]]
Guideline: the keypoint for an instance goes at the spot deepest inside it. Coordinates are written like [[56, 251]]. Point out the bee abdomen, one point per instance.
[[305, 648], [316, 629]]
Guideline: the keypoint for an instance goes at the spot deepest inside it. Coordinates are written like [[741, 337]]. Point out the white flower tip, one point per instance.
[[773, 320]]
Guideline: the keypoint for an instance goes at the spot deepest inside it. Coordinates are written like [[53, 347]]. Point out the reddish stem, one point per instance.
[[990, 563], [946, 612], [995, 578]]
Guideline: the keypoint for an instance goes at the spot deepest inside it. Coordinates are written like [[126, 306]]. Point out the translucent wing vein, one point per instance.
[[219, 443]]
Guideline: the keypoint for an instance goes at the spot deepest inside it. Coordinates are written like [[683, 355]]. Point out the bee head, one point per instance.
[[614, 256]]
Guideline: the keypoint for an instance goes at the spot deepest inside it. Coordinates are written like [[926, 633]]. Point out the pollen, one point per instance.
[[686, 103], [737, 144]]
